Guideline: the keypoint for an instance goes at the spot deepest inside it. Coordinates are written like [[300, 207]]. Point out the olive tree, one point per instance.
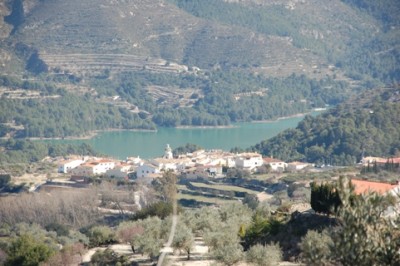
[[270, 255], [128, 232], [151, 241], [365, 236], [183, 240], [316, 248]]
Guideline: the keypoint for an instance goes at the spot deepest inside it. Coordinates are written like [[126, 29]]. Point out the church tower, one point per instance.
[[168, 152]]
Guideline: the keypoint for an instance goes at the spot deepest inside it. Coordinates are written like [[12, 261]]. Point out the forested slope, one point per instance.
[[369, 125]]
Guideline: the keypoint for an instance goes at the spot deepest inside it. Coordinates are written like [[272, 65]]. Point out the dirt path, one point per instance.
[[88, 255]]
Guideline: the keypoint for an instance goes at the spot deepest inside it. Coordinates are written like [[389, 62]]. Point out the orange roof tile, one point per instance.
[[271, 160], [363, 186]]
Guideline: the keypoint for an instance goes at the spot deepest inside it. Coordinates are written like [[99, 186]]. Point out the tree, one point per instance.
[[28, 251], [4, 180], [365, 236], [68, 255], [229, 254], [166, 186], [101, 235], [188, 148], [260, 255], [324, 198], [251, 201], [183, 240], [151, 241], [160, 209], [128, 232], [108, 257], [315, 248]]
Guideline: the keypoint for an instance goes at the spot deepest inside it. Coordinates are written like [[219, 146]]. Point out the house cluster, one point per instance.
[[81, 167], [199, 164]]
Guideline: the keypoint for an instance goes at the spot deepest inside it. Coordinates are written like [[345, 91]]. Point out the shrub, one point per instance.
[[100, 235], [269, 255], [108, 257], [26, 251], [229, 254], [315, 248]]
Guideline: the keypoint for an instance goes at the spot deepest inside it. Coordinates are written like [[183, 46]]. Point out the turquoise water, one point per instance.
[[122, 144]]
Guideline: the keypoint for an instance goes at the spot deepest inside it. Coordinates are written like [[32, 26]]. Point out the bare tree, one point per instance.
[[128, 232], [75, 208]]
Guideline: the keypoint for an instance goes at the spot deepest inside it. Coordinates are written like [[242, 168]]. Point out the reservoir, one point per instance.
[[122, 144]]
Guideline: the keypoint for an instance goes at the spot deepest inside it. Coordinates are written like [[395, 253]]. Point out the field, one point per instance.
[[203, 199], [216, 193], [224, 187]]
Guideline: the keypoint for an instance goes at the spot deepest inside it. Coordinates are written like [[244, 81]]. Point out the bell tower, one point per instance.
[[168, 152]]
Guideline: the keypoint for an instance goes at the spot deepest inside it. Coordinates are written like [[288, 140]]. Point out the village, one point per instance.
[[199, 164], [209, 165]]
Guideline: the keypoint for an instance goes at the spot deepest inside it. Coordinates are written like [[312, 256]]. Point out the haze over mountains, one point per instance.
[[200, 62]]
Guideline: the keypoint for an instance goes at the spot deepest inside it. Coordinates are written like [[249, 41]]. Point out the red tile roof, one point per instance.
[[364, 186], [271, 160]]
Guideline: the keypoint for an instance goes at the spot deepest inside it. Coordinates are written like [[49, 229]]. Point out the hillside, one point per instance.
[[200, 62], [281, 36], [368, 125]]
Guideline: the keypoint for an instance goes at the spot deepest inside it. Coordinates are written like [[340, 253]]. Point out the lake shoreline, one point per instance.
[[123, 143], [205, 127], [280, 118], [94, 133]]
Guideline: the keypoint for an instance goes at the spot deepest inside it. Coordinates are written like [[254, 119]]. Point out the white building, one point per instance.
[[93, 168], [248, 161], [275, 164], [147, 169], [68, 165], [121, 171]]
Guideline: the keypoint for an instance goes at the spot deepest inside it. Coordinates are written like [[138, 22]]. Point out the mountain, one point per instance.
[[199, 62], [368, 125], [273, 37]]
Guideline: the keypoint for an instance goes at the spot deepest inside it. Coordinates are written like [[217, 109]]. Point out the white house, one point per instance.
[[147, 169], [93, 168], [248, 161], [275, 164], [296, 166], [68, 165], [120, 171]]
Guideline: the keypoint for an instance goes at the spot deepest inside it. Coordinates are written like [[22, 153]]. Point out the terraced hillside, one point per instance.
[[120, 34], [92, 63]]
